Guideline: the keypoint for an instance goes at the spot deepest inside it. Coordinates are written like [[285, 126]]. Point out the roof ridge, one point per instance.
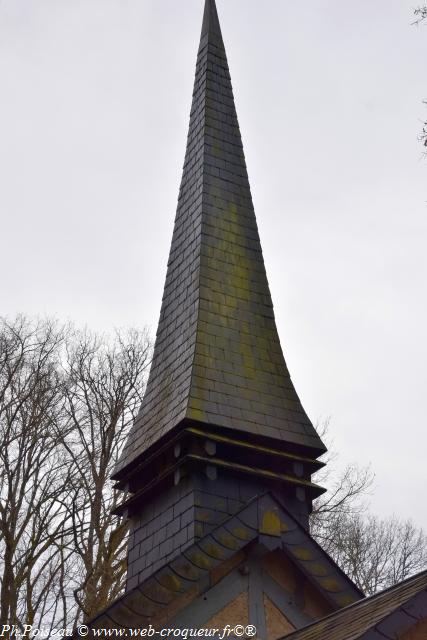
[[365, 600]]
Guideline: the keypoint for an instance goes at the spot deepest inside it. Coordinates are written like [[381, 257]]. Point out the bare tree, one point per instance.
[[347, 489], [420, 15], [67, 400], [345, 497], [32, 471], [375, 553], [424, 133], [103, 394]]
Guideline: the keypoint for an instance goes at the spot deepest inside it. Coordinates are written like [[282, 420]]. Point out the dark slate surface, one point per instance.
[[385, 616], [178, 517], [164, 528], [217, 356]]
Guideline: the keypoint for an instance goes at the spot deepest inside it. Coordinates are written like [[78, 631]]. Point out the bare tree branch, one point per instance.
[[420, 13], [375, 553], [103, 394], [32, 473], [67, 401]]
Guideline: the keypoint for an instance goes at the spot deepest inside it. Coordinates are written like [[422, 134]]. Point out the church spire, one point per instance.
[[218, 369], [211, 27]]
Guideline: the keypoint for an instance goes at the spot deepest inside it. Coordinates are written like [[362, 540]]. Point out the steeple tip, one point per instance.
[[211, 26]]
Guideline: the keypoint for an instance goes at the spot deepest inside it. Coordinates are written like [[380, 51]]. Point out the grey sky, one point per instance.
[[94, 105]]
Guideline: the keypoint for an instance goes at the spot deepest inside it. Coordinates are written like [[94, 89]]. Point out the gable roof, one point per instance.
[[265, 520], [383, 616], [217, 359]]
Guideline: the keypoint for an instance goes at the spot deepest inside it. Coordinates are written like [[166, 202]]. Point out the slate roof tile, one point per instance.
[[217, 323], [384, 616]]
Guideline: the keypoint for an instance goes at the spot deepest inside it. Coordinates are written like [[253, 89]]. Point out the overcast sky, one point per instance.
[[94, 104]]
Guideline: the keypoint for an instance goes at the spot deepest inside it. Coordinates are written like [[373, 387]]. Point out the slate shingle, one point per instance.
[[217, 330], [386, 616]]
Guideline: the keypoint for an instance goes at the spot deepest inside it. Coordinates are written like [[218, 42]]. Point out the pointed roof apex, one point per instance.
[[217, 363], [211, 29]]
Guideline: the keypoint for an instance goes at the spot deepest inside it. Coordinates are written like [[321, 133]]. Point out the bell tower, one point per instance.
[[221, 422]]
